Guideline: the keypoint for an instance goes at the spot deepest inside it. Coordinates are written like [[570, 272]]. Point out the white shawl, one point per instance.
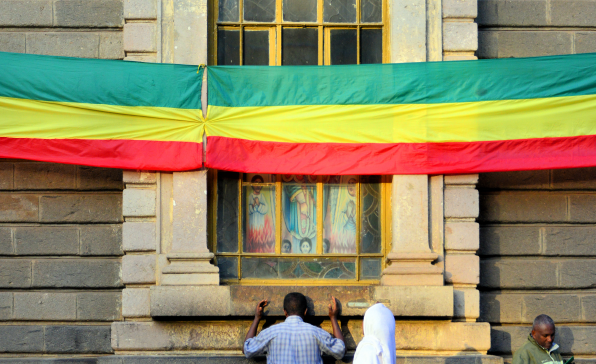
[[378, 344]]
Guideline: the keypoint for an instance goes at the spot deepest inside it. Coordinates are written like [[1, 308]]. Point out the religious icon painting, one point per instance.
[[340, 215], [259, 214], [299, 212]]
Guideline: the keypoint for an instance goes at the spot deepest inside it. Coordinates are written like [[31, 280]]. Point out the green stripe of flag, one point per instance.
[[406, 83], [96, 81]]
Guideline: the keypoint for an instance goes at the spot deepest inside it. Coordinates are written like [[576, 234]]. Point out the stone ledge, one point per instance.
[[50, 361], [404, 301], [229, 359], [411, 336]]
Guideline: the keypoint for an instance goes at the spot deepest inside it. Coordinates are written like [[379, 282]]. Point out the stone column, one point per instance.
[[139, 241], [460, 32], [189, 257], [142, 31], [411, 257], [462, 265]]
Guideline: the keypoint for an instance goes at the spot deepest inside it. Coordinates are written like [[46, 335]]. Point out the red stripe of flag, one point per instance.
[[125, 154], [400, 158]]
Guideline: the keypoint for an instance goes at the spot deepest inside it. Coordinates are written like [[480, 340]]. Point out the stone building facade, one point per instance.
[[108, 266]]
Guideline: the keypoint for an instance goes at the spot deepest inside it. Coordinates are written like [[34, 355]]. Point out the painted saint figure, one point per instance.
[[260, 237], [340, 219], [299, 212]]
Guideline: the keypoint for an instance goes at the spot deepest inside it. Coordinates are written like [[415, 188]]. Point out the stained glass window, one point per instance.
[[297, 32], [287, 227]]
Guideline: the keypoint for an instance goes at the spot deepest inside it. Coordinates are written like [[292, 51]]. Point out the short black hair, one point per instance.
[[295, 304], [543, 320]]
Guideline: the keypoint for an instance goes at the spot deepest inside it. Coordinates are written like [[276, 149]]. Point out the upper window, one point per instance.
[[288, 227], [298, 32]]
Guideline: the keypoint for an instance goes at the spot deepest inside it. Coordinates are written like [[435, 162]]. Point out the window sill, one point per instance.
[[215, 301]]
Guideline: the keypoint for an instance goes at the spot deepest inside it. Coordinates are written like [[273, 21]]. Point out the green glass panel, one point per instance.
[[298, 268], [263, 268], [228, 267], [370, 215], [227, 212], [370, 268]]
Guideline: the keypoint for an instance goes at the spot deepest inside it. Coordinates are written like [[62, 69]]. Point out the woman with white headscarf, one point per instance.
[[378, 344]]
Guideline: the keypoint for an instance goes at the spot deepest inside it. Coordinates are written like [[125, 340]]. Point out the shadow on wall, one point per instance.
[[505, 340]]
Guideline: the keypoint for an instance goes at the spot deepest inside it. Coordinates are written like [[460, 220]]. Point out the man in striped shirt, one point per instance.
[[294, 341]]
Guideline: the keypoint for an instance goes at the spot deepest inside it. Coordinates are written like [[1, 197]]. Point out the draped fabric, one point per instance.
[[414, 118], [100, 113]]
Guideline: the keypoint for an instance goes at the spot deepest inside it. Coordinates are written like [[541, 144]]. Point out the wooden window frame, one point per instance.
[[385, 219], [275, 46]]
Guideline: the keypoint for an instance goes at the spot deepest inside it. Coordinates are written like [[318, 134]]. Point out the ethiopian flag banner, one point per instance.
[[101, 113], [417, 118]]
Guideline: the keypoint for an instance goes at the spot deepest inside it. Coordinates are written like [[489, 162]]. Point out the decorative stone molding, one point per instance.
[[411, 257], [140, 238], [238, 301], [460, 33], [142, 30], [189, 258], [462, 240]]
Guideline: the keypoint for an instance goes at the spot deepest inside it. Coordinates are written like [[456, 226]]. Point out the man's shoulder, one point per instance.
[[524, 349]]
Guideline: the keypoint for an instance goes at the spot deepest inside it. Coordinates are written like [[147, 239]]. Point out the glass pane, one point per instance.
[[264, 268], [300, 46], [299, 268], [371, 46], [258, 225], [370, 204], [339, 11], [339, 204], [228, 10], [259, 10], [228, 267], [317, 268], [371, 11], [228, 47], [370, 268], [299, 211], [227, 212], [256, 48], [300, 10], [343, 46]]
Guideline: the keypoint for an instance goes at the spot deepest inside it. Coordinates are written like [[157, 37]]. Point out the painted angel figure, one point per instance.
[[261, 232]]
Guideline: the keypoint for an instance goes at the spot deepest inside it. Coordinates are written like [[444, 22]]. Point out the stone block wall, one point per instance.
[[530, 28], [461, 244], [538, 255], [60, 249], [70, 28], [460, 32]]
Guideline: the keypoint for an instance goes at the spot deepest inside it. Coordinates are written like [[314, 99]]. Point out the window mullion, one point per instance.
[[278, 217], [319, 217]]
